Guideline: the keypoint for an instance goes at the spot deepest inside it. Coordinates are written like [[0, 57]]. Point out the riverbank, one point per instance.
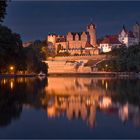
[[77, 74], [16, 75], [99, 74]]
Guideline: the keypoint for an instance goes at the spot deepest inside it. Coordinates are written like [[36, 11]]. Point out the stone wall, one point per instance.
[[67, 66], [72, 64], [94, 57]]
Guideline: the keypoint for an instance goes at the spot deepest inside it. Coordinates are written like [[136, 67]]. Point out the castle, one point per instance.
[[85, 43], [75, 43]]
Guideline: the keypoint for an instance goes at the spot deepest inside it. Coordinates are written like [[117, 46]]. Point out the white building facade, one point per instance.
[[128, 38], [108, 43]]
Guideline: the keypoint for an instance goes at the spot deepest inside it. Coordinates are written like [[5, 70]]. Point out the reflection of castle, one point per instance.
[[75, 42], [74, 105], [82, 98], [73, 86], [85, 107]]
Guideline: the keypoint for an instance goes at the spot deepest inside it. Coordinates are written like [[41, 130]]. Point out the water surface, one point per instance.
[[69, 107]]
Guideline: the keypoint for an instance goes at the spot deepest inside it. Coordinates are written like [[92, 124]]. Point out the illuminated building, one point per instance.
[[75, 42], [128, 38]]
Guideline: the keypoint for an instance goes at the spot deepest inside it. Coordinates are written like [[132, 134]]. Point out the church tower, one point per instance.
[[91, 29], [136, 31]]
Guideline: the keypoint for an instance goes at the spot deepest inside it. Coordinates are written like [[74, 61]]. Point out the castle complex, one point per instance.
[[85, 43], [75, 42]]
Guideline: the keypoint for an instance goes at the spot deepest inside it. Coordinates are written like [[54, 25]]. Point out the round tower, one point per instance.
[[91, 29]]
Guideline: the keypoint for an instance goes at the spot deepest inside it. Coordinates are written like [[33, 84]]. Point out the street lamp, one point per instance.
[[106, 65], [11, 69]]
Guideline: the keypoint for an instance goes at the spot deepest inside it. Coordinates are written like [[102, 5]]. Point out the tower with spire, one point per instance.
[[91, 29]]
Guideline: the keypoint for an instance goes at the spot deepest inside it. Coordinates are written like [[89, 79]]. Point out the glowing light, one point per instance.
[[106, 102], [11, 68], [106, 65], [4, 81], [11, 84], [102, 82], [106, 85]]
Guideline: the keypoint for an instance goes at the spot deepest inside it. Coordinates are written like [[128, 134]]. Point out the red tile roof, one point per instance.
[[110, 39]]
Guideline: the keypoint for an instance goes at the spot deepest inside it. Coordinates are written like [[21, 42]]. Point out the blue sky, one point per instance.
[[35, 19]]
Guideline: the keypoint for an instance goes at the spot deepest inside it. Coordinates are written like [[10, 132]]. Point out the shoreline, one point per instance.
[[97, 74], [78, 74], [16, 75]]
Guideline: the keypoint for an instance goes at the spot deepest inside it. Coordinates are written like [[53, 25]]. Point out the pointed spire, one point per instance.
[[124, 28]]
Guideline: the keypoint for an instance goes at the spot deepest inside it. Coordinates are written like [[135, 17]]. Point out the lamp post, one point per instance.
[[11, 69], [106, 66]]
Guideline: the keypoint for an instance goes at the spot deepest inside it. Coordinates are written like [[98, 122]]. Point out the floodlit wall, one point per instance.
[[67, 67]]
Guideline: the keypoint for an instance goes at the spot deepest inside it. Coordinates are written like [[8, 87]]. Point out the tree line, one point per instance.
[[12, 53], [125, 60]]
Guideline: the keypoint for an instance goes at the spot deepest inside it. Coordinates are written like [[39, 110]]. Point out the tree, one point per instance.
[[126, 59], [13, 53], [11, 49], [3, 5], [33, 61]]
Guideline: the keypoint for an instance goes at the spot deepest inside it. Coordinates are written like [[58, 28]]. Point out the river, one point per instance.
[[69, 107]]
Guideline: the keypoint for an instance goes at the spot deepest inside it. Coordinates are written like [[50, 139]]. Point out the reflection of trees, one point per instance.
[[23, 91], [10, 108], [122, 90], [10, 104], [125, 90]]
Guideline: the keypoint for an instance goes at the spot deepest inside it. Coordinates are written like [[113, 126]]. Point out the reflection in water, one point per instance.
[[15, 93], [11, 84], [82, 97], [75, 98], [106, 85]]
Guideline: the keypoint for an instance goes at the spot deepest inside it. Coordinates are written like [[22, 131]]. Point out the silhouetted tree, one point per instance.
[[11, 50], [3, 5]]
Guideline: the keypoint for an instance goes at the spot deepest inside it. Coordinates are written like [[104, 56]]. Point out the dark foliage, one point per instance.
[[126, 59], [3, 5]]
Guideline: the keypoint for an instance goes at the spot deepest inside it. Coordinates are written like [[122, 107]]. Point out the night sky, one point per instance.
[[35, 19]]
